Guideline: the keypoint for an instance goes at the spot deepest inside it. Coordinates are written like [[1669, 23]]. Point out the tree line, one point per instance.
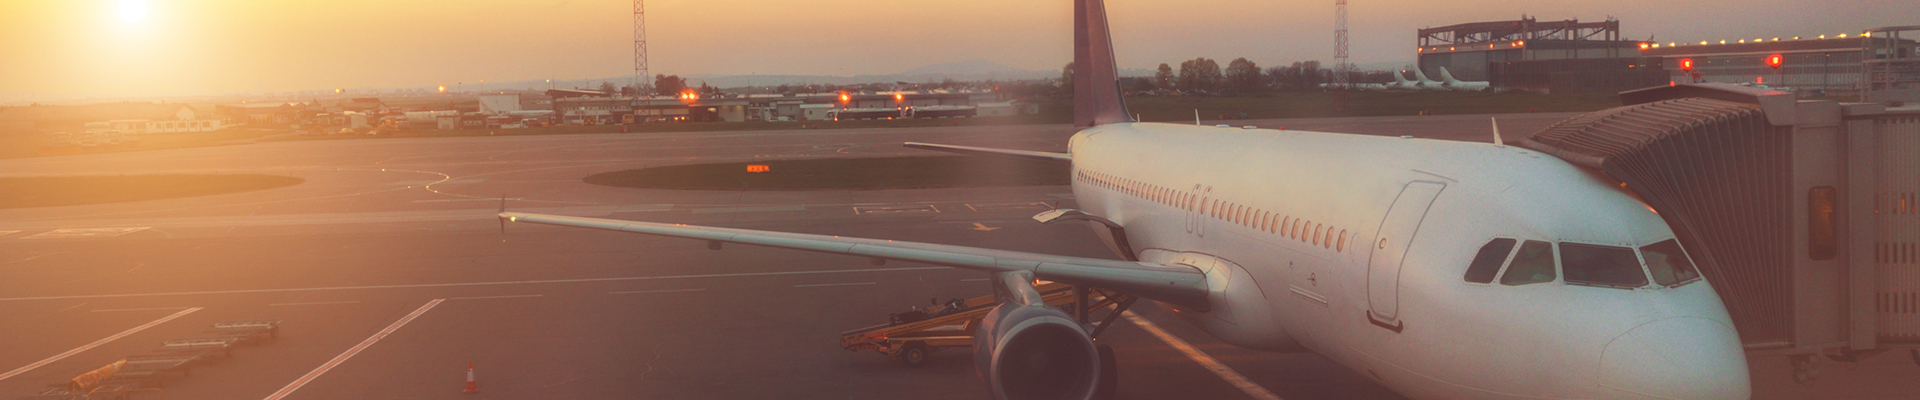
[[1204, 76]]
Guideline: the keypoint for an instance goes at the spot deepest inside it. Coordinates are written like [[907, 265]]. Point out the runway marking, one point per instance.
[[142, 309], [309, 377], [96, 343], [455, 200], [313, 303], [974, 280], [4, 233], [1017, 205], [894, 210], [747, 209], [660, 291], [467, 284], [496, 297], [85, 233], [839, 284], [1232, 377], [73, 307]]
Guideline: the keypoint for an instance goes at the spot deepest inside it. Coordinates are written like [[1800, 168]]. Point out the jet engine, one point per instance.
[[1031, 352]]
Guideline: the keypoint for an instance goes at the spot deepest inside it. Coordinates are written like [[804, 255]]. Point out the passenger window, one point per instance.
[[1669, 265], [1343, 244], [1487, 264], [1533, 264], [1601, 266]]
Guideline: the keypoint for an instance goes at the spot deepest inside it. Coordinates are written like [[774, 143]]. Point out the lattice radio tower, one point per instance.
[[640, 73], [1340, 67]]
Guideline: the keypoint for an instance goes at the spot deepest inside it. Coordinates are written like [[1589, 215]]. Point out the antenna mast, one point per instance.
[[1340, 68], [640, 73]]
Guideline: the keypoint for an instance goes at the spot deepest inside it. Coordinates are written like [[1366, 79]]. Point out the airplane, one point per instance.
[[1464, 86], [1420, 78], [1400, 82], [1438, 269]]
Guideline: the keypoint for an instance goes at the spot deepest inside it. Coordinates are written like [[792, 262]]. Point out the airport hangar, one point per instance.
[[1590, 57]]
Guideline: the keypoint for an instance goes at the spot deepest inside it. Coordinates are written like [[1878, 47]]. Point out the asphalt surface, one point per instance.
[[389, 274]]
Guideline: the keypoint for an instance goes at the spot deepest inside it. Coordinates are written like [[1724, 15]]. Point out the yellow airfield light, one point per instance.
[[443, 88]]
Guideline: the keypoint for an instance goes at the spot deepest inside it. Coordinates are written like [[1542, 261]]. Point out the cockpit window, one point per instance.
[[1601, 265], [1533, 264], [1669, 265], [1487, 263]]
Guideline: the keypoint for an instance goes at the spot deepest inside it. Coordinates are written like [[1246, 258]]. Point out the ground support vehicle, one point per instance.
[[911, 336]]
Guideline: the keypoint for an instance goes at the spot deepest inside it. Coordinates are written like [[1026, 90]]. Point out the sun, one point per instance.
[[133, 10]]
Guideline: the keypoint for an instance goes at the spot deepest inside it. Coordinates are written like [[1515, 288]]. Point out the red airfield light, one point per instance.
[[1686, 64], [844, 97], [1775, 61]]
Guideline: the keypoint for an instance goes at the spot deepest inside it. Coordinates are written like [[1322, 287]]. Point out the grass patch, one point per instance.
[[80, 190], [843, 174]]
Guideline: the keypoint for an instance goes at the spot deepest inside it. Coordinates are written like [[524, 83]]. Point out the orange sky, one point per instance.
[[181, 47]]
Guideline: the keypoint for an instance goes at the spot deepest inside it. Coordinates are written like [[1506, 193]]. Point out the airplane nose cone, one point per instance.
[[1676, 358]]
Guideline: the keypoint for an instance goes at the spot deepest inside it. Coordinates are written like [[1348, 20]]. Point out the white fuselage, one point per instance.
[[1303, 248]]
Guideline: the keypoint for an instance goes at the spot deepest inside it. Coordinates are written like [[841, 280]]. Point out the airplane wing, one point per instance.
[[1041, 156], [1179, 285]]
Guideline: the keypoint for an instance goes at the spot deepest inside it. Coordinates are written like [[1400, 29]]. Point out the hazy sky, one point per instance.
[[111, 48]]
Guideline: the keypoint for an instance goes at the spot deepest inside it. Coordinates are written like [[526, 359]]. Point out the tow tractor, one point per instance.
[[909, 337]]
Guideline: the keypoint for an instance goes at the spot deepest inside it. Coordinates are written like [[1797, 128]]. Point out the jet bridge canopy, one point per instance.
[[1800, 213]]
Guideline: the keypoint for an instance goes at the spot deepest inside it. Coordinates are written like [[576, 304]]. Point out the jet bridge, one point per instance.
[[1805, 215]]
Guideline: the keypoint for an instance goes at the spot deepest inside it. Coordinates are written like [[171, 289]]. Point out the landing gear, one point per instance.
[[1804, 370], [1109, 374]]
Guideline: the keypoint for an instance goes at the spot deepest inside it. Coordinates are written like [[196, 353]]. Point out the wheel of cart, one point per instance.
[[913, 354]]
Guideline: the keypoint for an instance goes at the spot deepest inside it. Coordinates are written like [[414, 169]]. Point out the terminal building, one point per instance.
[[587, 107], [1590, 57], [1826, 65]]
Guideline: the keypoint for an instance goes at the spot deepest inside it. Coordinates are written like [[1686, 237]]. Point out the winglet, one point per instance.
[[1096, 82]]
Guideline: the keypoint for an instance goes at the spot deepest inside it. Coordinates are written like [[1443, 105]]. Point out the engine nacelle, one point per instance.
[[1035, 352]]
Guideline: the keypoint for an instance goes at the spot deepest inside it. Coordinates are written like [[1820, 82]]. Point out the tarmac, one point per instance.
[[390, 273]]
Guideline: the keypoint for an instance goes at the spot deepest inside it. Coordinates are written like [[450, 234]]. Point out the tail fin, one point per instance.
[[1448, 77], [1400, 79], [1422, 76], [1096, 82]]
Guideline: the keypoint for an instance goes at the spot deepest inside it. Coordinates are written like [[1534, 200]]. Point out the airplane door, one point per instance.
[[1389, 251]]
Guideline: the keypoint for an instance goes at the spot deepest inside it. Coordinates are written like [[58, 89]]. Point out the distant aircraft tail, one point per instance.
[[1422, 76], [1096, 82], [1400, 79], [1448, 77]]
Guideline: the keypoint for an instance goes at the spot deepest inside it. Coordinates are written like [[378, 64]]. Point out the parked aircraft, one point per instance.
[[1420, 78], [1463, 86], [1439, 269]]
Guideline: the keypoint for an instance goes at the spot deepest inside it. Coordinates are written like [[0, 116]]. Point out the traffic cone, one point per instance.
[[472, 387]]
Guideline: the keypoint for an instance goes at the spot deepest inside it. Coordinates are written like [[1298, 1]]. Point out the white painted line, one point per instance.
[[747, 209], [309, 377], [313, 303], [660, 291], [459, 200], [1206, 361], [496, 297], [96, 343], [839, 284], [468, 284], [141, 309], [4, 233], [70, 308], [85, 233]]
